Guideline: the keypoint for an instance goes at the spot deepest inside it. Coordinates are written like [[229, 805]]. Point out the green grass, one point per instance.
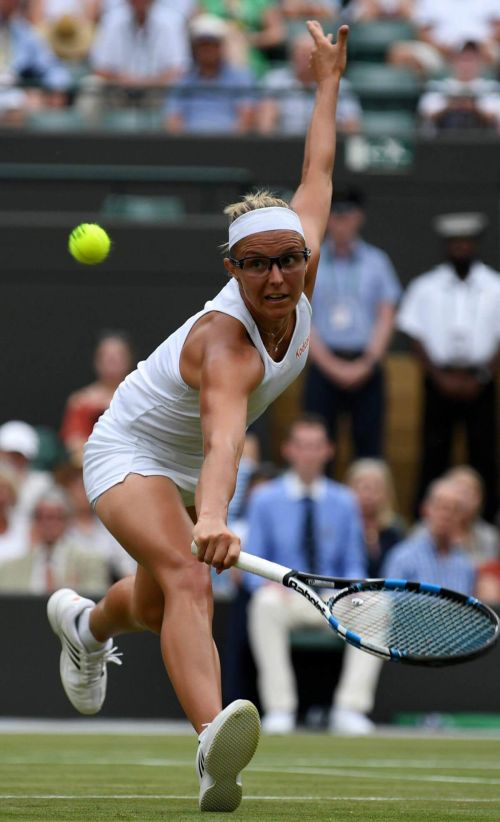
[[90, 778]]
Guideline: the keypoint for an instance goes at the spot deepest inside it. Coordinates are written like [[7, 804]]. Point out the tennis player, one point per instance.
[[165, 454]]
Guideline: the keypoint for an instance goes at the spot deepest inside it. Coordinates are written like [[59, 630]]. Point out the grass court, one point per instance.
[[92, 778]]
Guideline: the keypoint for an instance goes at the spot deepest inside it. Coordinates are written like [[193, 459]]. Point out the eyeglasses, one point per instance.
[[288, 263]]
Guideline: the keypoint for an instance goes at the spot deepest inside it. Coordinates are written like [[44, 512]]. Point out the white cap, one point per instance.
[[19, 437], [468, 224], [208, 25]]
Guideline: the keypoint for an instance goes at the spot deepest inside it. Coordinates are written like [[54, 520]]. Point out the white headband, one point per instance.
[[272, 218]]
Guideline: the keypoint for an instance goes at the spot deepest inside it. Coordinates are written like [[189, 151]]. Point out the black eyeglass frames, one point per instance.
[[260, 265]]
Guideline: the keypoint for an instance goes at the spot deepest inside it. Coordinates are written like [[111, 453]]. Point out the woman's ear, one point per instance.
[[230, 268]]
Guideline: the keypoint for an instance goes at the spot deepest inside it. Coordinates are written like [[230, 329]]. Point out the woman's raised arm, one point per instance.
[[312, 199]]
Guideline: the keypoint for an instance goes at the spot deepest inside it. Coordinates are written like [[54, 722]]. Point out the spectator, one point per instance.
[[464, 100], [113, 359], [452, 316], [302, 520], [87, 531], [13, 528], [70, 38], [353, 316], [372, 483], [257, 31], [213, 96], [289, 96], [53, 560], [434, 555], [25, 58], [19, 445], [445, 27], [363, 11], [138, 50], [480, 539]]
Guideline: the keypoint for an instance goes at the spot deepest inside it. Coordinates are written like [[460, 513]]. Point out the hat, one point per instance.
[[207, 26], [346, 199], [69, 37], [19, 437], [469, 224]]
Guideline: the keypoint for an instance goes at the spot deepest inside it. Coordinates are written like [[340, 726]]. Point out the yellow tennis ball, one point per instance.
[[88, 243]]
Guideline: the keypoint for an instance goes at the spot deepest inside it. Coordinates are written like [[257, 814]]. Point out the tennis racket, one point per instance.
[[411, 622]]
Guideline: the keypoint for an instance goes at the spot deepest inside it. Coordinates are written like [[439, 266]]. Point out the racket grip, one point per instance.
[[256, 565]]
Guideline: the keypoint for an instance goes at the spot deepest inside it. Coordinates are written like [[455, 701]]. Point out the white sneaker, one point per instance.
[[226, 747], [278, 722], [83, 673], [351, 723]]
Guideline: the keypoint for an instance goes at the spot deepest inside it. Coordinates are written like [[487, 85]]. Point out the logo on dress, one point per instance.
[[303, 347]]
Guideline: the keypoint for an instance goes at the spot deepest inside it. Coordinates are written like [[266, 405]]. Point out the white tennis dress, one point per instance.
[[152, 426]]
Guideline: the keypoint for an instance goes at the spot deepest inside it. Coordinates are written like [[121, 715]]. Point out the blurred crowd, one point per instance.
[[236, 66]]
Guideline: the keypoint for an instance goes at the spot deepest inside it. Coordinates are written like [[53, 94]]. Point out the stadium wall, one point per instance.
[[30, 685]]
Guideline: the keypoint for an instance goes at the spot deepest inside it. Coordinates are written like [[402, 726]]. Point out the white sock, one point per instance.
[[86, 635]]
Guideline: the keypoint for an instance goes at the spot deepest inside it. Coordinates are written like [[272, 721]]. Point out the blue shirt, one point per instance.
[[348, 294], [31, 58], [210, 104], [275, 527], [418, 559]]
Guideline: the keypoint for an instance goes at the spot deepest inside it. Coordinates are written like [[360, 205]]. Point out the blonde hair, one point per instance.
[[262, 198], [378, 467]]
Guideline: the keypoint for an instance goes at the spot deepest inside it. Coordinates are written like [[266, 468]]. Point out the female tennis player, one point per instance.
[[166, 452]]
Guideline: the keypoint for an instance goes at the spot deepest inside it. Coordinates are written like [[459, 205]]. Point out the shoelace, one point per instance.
[[93, 665]]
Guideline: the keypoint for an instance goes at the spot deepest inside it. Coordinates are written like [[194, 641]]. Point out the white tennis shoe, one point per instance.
[[84, 674], [226, 747]]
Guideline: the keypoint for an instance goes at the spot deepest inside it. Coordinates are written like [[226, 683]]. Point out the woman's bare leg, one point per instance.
[[171, 593]]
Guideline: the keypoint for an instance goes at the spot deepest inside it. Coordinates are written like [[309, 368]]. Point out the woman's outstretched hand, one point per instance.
[[327, 58]]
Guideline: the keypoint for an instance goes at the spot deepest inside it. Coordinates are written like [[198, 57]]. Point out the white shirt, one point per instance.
[[453, 22], [143, 52], [457, 321]]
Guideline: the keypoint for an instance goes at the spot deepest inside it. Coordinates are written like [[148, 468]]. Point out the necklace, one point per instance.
[[276, 343]]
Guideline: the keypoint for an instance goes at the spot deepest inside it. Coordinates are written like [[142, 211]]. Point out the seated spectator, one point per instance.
[[466, 99], [53, 560], [70, 38], [366, 10], [444, 27], [214, 96], [256, 31], [26, 59], [19, 445], [113, 360], [87, 531], [371, 481], [302, 520], [186, 8], [13, 528], [434, 554], [289, 96], [138, 49], [480, 539]]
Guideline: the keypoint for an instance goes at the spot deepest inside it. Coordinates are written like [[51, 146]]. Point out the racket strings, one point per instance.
[[414, 623]]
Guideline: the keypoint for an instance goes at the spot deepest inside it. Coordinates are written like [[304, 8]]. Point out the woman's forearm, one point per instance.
[[217, 481], [319, 149]]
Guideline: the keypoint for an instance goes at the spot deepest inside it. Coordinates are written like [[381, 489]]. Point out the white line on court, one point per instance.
[[356, 773], [288, 798]]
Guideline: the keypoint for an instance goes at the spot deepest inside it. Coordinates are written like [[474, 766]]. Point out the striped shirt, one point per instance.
[[418, 559]]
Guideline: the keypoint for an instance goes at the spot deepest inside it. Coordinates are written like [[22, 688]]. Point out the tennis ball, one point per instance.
[[88, 243]]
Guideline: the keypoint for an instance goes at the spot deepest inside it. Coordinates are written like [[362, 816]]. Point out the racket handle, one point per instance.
[[256, 565]]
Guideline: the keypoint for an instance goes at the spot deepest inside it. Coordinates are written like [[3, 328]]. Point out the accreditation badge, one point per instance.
[[342, 315]]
